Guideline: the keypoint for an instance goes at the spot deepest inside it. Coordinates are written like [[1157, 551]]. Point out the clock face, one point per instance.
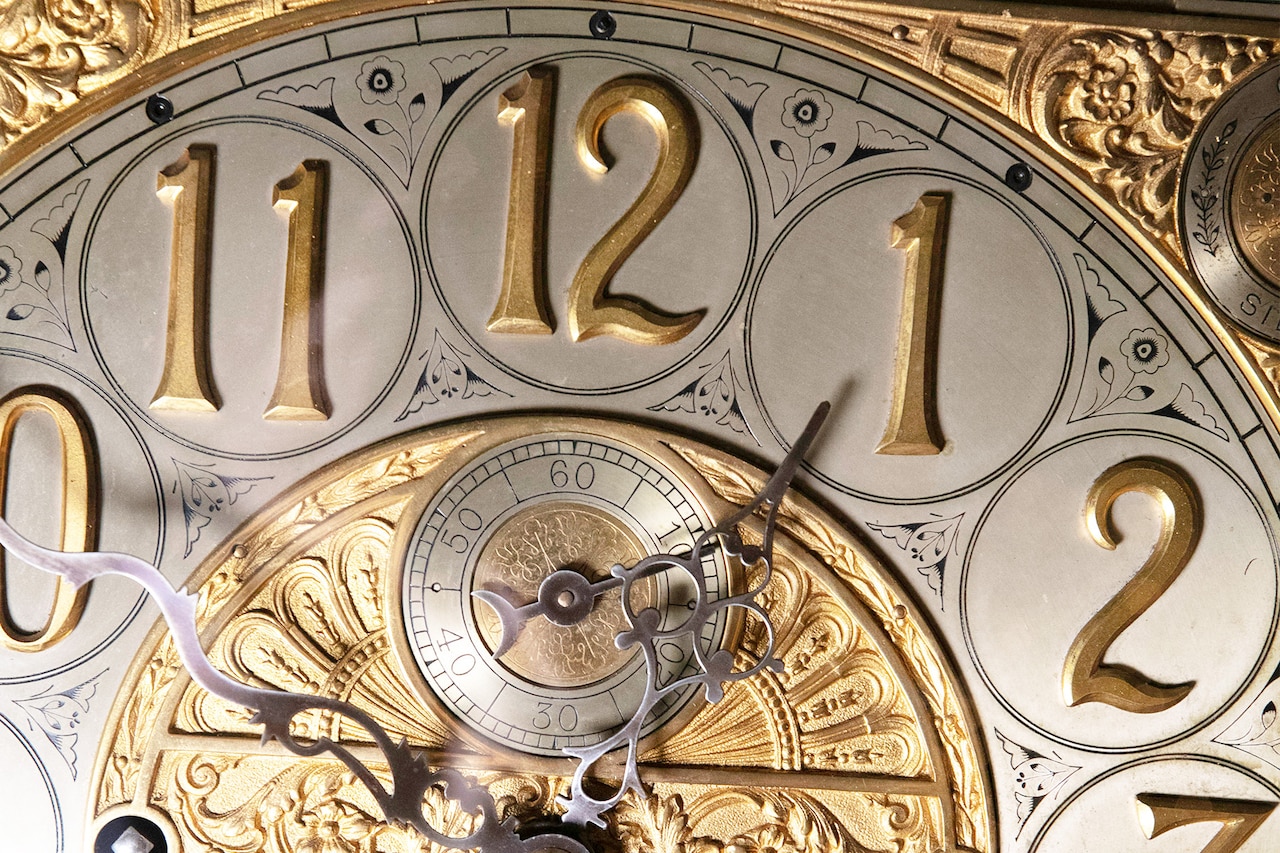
[[401, 339]]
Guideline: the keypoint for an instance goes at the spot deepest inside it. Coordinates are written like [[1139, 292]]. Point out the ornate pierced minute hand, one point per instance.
[[566, 597], [411, 776]]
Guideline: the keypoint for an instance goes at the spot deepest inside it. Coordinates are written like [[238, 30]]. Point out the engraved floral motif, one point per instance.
[[1035, 776], [714, 395], [58, 713], [1130, 368], [446, 375], [380, 81], [204, 492], [381, 119], [1256, 731], [33, 292], [1122, 106], [927, 543], [809, 139]]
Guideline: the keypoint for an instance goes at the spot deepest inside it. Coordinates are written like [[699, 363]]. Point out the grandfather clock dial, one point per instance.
[[458, 362]]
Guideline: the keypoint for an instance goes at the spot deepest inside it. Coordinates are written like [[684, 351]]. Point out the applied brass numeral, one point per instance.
[[186, 185], [1085, 678], [300, 393], [186, 383], [913, 428], [1159, 813], [79, 509], [522, 303]]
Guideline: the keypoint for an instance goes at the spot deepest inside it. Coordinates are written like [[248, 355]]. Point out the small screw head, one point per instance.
[[603, 25], [159, 109], [1018, 178], [130, 834], [900, 32]]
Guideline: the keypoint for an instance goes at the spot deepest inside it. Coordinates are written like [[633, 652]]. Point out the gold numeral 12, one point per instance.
[[79, 509], [186, 383], [522, 304], [913, 419]]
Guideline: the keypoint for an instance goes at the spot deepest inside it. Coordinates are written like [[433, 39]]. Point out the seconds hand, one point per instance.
[[566, 598]]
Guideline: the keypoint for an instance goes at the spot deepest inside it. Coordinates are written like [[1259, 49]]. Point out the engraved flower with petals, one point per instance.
[[10, 270], [806, 112], [1146, 350], [381, 80], [334, 827]]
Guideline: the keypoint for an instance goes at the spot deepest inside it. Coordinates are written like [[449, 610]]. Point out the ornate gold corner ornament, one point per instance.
[[863, 741]]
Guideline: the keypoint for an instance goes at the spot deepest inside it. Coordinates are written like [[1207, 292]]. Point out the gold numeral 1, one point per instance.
[[591, 312], [913, 420], [1159, 813], [1085, 678], [79, 509], [187, 186], [186, 384], [300, 394], [522, 305]]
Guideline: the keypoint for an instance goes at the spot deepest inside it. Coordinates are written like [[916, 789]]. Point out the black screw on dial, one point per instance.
[[603, 25], [159, 109], [130, 834], [1018, 178]]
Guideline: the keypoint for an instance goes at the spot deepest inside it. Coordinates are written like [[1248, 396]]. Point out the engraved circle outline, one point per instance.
[[1068, 355], [691, 698], [1210, 716], [142, 412], [752, 206]]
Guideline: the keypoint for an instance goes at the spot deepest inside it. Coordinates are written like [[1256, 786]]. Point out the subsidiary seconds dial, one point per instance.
[[503, 524]]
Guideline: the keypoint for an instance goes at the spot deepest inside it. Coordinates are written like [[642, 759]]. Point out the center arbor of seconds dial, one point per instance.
[[522, 553]]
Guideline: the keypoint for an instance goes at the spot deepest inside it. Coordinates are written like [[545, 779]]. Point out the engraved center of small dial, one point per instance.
[[522, 553], [1255, 204]]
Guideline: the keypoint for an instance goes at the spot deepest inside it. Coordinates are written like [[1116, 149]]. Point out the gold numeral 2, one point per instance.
[[186, 383], [1085, 678], [913, 419], [522, 303], [79, 509], [1159, 813]]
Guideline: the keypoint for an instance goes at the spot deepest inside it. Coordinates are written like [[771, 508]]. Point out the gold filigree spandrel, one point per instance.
[[53, 50], [1121, 105], [957, 736]]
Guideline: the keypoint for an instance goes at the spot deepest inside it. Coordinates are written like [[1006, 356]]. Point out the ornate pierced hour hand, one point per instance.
[[565, 598], [276, 710]]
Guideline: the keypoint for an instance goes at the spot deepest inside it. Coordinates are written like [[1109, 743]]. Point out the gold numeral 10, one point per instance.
[[1159, 813], [186, 384], [522, 304], [1085, 678], [913, 419], [79, 509]]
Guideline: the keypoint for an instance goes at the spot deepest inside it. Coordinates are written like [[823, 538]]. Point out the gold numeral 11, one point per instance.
[[186, 383], [913, 419]]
